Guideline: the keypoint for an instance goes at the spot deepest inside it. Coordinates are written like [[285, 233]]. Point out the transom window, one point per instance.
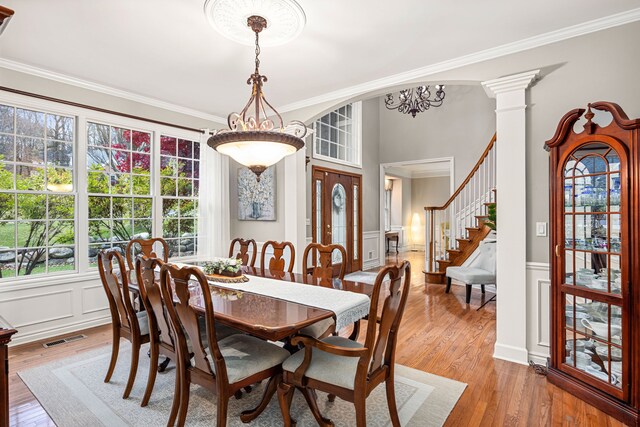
[[37, 194], [337, 136]]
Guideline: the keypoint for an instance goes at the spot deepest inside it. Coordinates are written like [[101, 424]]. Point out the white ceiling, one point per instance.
[[419, 170], [165, 49]]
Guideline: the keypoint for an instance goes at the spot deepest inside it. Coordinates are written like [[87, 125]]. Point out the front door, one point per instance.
[[337, 214]]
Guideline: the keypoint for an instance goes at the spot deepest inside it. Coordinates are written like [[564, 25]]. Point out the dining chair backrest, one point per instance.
[[322, 266], [184, 319], [116, 287], [387, 305], [278, 259], [243, 253], [152, 299], [147, 247]]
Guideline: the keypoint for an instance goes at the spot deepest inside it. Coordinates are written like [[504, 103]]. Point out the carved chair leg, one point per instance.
[[176, 399], [361, 412], [135, 355], [184, 393], [223, 405], [448, 288], [310, 397], [391, 402], [285, 395], [331, 397], [115, 347], [269, 391], [153, 371]]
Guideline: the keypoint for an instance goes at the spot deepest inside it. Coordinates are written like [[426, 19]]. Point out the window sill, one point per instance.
[[338, 161], [47, 280]]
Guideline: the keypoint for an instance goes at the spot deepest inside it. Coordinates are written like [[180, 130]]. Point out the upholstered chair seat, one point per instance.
[[481, 271], [245, 355], [143, 322], [326, 367], [319, 329]]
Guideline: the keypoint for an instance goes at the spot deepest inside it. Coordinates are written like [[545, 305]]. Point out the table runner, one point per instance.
[[349, 307]]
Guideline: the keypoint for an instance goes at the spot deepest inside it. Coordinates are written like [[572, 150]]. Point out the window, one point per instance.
[[76, 181], [37, 194], [337, 136], [118, 187], [179, 184]]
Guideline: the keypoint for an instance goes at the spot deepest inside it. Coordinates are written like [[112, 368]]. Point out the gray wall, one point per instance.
[[370, 168], [42, 86], [260, 231], [427, 192], [461, 128]]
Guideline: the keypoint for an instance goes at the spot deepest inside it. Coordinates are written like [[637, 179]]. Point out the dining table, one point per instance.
[[280, 317]]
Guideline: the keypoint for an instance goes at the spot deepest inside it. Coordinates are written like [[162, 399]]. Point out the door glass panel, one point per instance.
[[356, 226], [338, 219], [568, 195], [318, 211]]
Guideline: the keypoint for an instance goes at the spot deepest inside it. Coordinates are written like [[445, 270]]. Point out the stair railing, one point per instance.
[[448, 223]]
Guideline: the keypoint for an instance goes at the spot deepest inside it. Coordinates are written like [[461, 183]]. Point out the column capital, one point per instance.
[[510, 83]]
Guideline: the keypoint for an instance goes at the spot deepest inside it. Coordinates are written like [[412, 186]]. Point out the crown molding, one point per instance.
[[577, 30], [107, 90]]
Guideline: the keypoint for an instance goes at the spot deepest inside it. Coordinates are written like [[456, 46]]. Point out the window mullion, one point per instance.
[[82, 199]]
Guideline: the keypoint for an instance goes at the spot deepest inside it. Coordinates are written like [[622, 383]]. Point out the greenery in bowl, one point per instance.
[[223, 266]]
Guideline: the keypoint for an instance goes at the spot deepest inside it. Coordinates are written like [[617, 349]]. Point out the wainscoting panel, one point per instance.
[[370, 249], [538, 311], [54, 306]]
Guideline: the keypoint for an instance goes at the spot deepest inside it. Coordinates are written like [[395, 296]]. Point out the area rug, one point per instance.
[[73, 393]]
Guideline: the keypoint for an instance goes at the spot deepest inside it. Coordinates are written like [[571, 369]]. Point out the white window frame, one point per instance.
[[356, 109], [17, 102], [82, 116]]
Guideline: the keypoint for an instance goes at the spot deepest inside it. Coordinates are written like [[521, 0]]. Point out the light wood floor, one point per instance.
[[439, 334]]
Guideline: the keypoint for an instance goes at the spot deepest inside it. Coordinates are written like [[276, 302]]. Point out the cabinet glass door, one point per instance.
[[594, 274]]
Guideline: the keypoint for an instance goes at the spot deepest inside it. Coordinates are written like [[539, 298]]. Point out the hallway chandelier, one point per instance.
[[413, 101], [253, 139]]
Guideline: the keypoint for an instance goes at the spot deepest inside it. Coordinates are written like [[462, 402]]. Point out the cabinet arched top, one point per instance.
[[565, 133]]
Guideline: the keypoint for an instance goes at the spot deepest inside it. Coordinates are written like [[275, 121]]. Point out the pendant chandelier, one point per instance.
[[414, 101], [253, 139]]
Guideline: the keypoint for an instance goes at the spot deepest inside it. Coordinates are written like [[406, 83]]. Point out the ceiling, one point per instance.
[[166, 49], [419, 170]]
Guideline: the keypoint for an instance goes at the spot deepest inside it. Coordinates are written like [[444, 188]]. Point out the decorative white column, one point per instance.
[[295, 207], [511, 311]]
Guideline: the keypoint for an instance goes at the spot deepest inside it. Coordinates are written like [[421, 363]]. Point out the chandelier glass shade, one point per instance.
[[253, 139], [415, 100]]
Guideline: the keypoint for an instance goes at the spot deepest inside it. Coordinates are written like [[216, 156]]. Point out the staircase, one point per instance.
[[454, 230]]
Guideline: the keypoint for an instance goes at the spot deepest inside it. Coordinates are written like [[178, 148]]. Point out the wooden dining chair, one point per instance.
[[125, 321], [223, 366], [322, 266], [277, 261], [148, 248], [346, 368], [161, 339], [243, 252]]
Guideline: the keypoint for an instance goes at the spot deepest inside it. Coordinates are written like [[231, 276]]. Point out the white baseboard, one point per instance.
[[25, 338], [510, 353], [538, 358]]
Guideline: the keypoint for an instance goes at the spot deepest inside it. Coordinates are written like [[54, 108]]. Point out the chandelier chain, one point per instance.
[[257, 51]]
